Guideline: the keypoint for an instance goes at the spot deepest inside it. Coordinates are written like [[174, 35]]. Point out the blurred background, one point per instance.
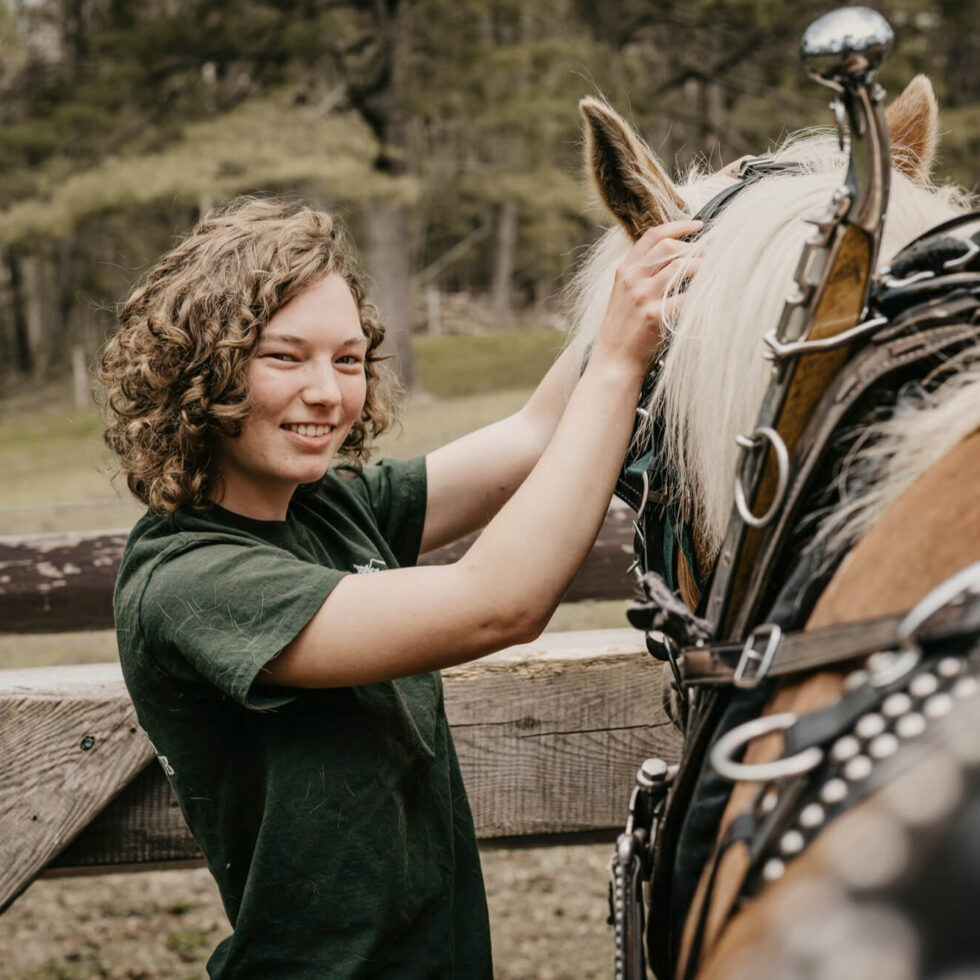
[[445, 133]]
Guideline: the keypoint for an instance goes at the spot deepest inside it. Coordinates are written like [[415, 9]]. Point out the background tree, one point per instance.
[[444, 131]]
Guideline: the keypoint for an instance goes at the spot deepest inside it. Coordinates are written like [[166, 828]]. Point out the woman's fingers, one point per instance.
[[662, 241], [661, 244], [667, 253], [640, 302], [670, 229], [680, 270]]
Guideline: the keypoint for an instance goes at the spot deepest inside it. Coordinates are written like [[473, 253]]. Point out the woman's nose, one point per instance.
[[321, 386]]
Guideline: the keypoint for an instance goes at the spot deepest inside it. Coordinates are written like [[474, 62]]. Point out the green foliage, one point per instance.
[[263, 143], [117, 128]]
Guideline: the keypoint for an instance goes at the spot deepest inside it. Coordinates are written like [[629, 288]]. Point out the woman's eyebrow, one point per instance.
[[281, 338], [288, 338]]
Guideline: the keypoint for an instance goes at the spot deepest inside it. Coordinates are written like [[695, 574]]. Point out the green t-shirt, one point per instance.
[[335, 821]]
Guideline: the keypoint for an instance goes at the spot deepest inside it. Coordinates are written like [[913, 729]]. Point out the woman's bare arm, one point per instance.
[[470, 479], [504, 590]]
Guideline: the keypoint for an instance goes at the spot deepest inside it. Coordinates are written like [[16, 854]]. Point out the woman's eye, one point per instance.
[[349, 359], [280, 356]]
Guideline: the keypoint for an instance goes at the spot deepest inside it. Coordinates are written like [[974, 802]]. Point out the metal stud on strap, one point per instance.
[[757, 440], [752, 665]]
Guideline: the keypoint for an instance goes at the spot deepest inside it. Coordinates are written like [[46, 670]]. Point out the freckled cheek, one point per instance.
[[355, 397], [269, 400]]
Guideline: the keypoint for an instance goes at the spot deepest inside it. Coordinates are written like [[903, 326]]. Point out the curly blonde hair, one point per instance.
[[174, 372]]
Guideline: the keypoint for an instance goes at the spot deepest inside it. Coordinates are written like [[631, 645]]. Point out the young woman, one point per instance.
[[293, 698]]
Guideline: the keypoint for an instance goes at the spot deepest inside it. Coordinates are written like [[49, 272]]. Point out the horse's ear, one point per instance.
[[627, 176], [913, 125]]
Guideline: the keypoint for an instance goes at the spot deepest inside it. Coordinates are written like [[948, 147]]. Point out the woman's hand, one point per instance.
[[639, 304]]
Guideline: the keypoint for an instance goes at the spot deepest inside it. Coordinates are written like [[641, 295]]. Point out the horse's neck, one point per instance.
[[928, 534]]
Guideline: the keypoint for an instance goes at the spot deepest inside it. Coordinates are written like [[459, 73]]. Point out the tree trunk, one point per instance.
[[432, 309], [608, 23], [389, 263], [962, 49], [75, 36], [691, 129], [42, 310], [503, 260], [714, 113], [65, 334], [23, 355]]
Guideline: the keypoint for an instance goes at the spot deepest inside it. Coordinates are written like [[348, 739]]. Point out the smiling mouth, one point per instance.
[[302, 429]]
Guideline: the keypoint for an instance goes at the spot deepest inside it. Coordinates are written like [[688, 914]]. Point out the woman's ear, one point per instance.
[[913, 125], [625, 173]]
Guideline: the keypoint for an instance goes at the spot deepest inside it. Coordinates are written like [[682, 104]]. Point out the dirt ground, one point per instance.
[[547, 908]]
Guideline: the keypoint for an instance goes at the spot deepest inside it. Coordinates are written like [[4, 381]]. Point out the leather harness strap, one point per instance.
[[923, 334], [838, 310], [800, 653]]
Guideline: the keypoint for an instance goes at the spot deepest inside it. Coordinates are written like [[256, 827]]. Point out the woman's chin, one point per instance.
[[312, 474]]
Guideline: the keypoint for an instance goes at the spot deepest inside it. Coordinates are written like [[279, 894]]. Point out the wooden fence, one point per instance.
[[549, 734]]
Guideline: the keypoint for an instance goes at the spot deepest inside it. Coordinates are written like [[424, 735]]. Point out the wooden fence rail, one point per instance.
[[56, 583], [549, 734]]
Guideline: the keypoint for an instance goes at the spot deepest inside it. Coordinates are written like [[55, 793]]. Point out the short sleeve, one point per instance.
[[228, 607], [396, 491]]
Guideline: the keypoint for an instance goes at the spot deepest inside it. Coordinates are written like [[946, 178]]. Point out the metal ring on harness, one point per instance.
[[965, 580], [730, 743], [905, 659], [758, 438], [645, 497], [752, 665]]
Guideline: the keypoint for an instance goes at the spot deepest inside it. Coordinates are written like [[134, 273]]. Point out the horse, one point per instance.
[[897, 516]]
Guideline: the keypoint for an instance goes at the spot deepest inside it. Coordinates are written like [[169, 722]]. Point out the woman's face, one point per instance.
[[307, 383]]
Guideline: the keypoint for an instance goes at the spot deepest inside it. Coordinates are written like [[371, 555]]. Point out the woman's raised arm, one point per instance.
[[504, 590], [470, 479]]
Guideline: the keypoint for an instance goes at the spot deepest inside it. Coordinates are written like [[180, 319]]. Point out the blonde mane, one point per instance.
[[714, 377]]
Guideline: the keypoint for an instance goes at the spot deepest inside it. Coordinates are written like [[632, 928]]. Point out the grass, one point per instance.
[[55, 467], [187, 944], [451, 367]]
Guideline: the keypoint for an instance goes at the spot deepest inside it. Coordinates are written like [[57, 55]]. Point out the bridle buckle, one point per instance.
[[752, 665]]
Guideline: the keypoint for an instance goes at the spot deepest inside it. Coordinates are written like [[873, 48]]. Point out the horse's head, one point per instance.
[[714, 376]]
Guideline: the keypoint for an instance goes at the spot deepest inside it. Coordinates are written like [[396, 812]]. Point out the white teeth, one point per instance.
[[309, 430]]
